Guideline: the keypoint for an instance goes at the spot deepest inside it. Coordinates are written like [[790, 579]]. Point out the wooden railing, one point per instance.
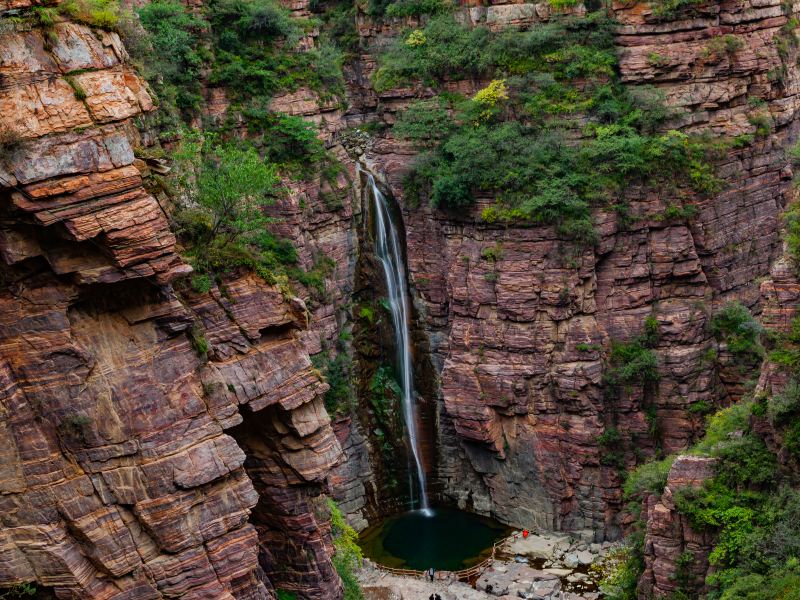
[[462, 575]]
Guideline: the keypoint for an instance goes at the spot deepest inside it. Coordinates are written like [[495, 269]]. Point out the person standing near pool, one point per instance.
[[430, 573]]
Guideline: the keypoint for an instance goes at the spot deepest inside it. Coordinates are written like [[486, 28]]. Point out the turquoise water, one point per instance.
[[448, 540]]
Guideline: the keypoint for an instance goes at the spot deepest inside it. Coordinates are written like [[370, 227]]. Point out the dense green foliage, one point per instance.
[[384, 401], [250, 46], [415, 8], [670, 9], [749, 506], [525, 144], [232, 182], [226, 227], [338, 372], [348, 554], [735, 326], [394, 9], [172, 56], [104, 14], [792, 236], [634, 362], [650, 477], [255, 41]]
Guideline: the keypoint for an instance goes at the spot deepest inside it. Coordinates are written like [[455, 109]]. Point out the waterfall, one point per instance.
[[387, 247]]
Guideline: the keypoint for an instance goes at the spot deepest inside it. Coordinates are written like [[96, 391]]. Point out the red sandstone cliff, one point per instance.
[[134, 466], [522, 401], [131, 467]]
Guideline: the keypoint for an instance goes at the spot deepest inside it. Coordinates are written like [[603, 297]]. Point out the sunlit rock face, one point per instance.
[[118, 479]]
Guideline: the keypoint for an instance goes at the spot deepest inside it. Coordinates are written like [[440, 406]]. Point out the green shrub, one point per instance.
[[670, 9], [202, 283], [745, 461], [492, 253], [762, 122], [288, 141], [450, 50], [782, 407], [791, 220], [255, 43], [103, 14], [583, 347], [348, 554], [735, 326], [701, 407], [284, 595], [415, 8], [722, 45], [648, 478], [45, 16], [632, 363], [426, 122], [172, 54], [384, 395], [512, 147], [609, 438], [338, 373], [339, 23], [227, 230], [367, 313], [197, 339], [562, 4], [722, 424]]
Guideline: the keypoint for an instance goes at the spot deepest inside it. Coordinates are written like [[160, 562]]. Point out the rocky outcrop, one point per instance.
[[118, 478], [675, 555]]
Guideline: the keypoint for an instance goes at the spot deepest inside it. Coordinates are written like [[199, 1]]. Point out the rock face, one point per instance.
[[521, 340], [136, 463], [118, 479], [675, 556]]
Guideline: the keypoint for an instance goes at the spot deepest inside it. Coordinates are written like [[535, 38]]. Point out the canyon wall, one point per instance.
[[521, 341], [159, 442], [129, 464]]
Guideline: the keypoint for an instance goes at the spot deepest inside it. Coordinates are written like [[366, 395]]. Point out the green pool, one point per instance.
[[447, 540]]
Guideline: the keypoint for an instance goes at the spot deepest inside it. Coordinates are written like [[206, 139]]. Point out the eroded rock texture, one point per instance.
[[117, 476]]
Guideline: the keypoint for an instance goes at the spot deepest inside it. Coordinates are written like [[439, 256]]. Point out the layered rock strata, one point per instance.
[[118, 478], [522, 340]]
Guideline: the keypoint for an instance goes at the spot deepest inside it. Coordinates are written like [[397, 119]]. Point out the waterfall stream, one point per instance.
[[388, 250]]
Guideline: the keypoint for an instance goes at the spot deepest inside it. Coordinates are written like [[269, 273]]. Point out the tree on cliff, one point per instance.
[[227, 187]]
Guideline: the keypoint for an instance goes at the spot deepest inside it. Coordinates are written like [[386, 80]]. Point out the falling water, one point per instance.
[[387, 247]]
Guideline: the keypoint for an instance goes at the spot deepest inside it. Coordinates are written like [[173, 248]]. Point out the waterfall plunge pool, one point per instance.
[[447, 540]]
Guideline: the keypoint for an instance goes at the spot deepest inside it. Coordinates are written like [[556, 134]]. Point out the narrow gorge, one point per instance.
[[302, 297]]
